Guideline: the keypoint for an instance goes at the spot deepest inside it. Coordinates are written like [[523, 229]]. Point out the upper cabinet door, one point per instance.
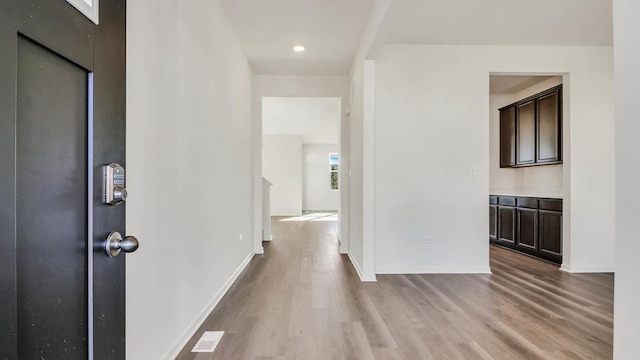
[[526, 133], [549, 123], [508, 137], [531, 130]]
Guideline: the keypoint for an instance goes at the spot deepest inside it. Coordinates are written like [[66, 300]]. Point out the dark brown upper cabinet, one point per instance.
[[508, 137], [549, 127], [531, 130], [526, 133]]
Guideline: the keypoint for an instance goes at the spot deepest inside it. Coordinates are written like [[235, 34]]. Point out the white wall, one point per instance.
[[189, 113], [432, 128], [542, 181], [300, 86], [316, 178], [361, 171], [362, 217], [315, 119], [282, 166], [627, 76]]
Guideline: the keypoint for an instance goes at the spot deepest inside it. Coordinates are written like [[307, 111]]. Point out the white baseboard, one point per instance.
[[367, 278], [343, 248], [393, 270], [586, 269], [175, 350], [268, 238]]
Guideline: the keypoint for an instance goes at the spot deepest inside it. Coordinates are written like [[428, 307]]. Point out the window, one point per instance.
[[334, 162]]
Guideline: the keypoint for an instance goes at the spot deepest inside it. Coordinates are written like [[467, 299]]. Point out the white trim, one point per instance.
[[256, 113], [368, 167], [586, 269], [342, 250], [92, 12], [355, 265], [90, 196], [300, 86], [343, 180], [396, 270], [369, 278], [268, 238], [343, 247], [177, 347]]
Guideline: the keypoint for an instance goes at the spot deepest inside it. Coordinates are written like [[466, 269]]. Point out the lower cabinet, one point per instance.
[[551, 234], [507, 221], [529, 225], [493, 222]]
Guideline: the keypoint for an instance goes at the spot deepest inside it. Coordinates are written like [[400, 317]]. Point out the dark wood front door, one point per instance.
[[62, 116]]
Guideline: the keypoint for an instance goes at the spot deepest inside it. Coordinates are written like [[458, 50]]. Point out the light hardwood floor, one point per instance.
[[302, 300]]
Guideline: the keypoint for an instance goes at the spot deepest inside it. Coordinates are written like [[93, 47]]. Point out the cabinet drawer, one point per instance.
[[526, 202], [551, 204], [507, 200]]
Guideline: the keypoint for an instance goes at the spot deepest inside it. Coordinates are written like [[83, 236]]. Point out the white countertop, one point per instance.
[[528, 193]]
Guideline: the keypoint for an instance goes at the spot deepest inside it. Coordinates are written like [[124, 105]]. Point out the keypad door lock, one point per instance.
[[114, 184]]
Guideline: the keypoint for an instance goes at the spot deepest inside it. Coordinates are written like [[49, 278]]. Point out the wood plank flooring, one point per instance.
[[303, 300]]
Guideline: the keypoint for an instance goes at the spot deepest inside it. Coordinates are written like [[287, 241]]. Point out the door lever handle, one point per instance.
[[115, 243]]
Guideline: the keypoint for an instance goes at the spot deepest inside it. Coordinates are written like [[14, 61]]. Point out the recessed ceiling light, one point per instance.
[[298, 48]]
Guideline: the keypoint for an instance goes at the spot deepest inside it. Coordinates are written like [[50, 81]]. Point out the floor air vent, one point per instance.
[[208, 341]]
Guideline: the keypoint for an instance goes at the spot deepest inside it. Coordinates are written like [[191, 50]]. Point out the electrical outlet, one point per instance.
[[240, 237]]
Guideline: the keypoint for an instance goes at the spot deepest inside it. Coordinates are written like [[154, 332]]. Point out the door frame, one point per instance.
[[302, 87], [566, 151]]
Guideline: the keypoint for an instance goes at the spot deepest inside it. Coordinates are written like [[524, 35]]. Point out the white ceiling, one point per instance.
[[315, 120], [329, 29], [505, 22], [513, 84]]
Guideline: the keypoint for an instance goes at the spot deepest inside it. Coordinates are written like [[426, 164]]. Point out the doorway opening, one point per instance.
[[527, 184], [300, 160]]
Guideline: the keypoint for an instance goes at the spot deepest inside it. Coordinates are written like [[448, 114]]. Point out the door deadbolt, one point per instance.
[[114, 184], [115, 243]]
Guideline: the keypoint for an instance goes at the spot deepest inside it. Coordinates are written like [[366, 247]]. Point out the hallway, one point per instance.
[[303, 300]]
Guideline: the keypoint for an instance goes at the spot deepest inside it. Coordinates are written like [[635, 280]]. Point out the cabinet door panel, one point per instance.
[[526, 133], [549, 128], [508, 137], [527, 225], [493, 222], [551, 233], [507, 220]]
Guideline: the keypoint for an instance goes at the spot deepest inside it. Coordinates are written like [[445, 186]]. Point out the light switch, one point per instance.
[[475, 172]]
